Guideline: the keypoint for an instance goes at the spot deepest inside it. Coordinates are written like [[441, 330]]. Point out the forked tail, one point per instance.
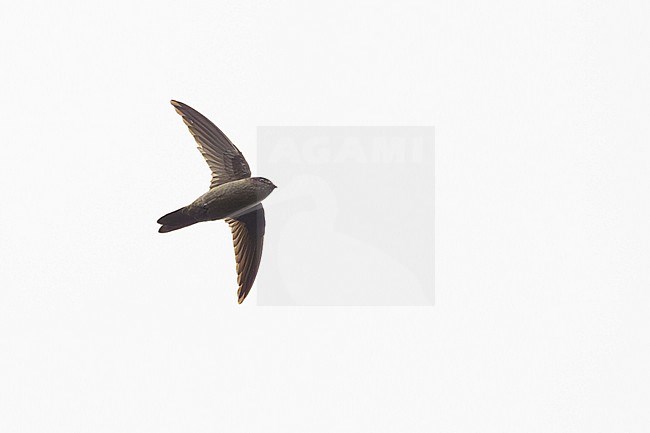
[[176, 220]]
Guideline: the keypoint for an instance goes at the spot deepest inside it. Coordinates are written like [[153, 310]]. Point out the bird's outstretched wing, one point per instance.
[[248, 238], [225, 160]]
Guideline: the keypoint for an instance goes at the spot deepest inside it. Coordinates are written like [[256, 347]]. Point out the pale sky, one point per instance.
[[541, 274]]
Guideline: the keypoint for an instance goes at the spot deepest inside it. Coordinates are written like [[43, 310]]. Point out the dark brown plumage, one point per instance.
[[233, 196]]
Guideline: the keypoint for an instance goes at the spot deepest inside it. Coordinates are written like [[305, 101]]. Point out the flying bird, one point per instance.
[[234, 196]]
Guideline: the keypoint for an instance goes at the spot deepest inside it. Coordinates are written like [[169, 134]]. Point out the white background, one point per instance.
[[542, 219]]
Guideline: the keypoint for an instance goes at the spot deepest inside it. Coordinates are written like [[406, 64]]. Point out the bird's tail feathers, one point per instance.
[[166, 229], [176, 220]]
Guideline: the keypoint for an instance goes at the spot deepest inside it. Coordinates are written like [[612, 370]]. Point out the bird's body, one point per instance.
[[227, 200], [234, 196]]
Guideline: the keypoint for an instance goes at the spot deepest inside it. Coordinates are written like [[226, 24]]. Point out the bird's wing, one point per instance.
[[248, 238], [225, 160]]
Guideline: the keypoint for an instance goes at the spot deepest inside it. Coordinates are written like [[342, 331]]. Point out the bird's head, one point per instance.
[[264, 181]]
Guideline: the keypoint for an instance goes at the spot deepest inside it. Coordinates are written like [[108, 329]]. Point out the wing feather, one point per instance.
[[248, 239], [224, 159]]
